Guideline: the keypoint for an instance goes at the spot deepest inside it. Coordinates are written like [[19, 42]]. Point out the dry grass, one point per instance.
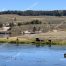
[[9, 18], [60, 35], [57, 38], [45, 26]]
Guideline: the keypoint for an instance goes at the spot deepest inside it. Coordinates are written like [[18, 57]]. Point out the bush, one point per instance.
[[35, 22]]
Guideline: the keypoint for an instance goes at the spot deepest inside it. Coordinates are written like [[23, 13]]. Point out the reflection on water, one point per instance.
[[30, 55]]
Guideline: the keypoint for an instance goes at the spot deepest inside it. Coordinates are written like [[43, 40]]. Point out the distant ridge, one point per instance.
[[36, 13]]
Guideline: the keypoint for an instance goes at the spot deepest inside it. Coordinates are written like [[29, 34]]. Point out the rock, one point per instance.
[[65, 55]]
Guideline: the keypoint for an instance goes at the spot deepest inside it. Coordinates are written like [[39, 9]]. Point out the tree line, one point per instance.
[[36, 13]]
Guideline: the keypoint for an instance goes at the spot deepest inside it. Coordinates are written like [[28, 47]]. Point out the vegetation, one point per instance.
[[34, 29], [30, 22], [36, 13], [44, 24], [32, 41], [35, 22], [1, 25]]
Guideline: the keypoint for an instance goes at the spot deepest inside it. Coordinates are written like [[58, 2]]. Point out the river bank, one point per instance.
[[19, 40], [53, 38]]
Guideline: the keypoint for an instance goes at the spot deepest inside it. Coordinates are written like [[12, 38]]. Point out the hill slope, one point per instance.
[[48, 22]]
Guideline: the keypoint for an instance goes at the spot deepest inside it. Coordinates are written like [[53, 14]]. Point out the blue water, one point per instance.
[[30, 55]]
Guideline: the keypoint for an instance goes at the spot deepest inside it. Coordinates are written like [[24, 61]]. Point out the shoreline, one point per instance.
[[26, 40], [56, 38]]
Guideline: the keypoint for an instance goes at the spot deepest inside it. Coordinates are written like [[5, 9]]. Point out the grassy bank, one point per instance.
[[15, 40], [32, 41]]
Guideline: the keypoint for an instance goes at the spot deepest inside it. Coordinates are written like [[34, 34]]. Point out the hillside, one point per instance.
[[48, 22], [52, 19]]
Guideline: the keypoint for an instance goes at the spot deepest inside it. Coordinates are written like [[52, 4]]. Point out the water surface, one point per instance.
[[30, 55]]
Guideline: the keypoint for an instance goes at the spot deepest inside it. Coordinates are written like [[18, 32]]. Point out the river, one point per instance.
[[30, 55]]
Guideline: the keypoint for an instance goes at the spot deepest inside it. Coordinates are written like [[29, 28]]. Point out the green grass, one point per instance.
[[32, 41]]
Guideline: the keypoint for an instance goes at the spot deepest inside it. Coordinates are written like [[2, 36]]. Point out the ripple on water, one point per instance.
[[29, 55]]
